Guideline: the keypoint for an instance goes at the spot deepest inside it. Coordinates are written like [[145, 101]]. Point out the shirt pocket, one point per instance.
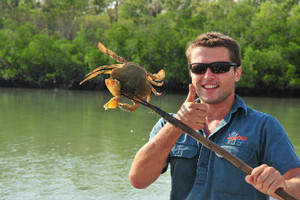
[[243, 152], [225, 170], [185, 147]]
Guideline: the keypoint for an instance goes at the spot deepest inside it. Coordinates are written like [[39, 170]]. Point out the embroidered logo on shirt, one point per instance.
[[236, 137]]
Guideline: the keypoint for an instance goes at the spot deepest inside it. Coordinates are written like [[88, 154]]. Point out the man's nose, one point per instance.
[[208, 73]]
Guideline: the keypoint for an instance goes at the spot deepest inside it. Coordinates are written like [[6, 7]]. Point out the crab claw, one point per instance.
[[156, 77], [113, 86], [112, 104], [160, 75]]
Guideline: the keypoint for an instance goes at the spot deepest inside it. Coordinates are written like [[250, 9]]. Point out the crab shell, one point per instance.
[[133, 78]]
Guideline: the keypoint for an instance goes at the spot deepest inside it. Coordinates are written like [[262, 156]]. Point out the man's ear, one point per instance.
[[238, 73]]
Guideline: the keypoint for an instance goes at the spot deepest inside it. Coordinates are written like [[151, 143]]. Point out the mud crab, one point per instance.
[[126, 78]]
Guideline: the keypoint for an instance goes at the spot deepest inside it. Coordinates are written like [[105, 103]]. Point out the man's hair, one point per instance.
[[215, 39]]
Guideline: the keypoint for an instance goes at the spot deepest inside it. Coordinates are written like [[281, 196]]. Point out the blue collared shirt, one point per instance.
[[253, 136]]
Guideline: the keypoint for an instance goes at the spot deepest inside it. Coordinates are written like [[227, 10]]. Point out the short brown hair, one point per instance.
[[215, 39]]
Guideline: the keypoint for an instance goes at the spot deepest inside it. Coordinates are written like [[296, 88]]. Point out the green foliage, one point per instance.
[[57, 40]]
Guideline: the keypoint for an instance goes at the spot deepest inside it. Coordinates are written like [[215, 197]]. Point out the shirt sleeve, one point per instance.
[[279, 151], [159, 124]]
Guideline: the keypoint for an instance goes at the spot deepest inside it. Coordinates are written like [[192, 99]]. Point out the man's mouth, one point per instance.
[[210, 86]]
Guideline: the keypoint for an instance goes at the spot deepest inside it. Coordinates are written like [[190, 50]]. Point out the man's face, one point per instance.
[[214, 88]]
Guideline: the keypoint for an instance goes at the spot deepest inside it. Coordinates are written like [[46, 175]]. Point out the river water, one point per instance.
[[60, 144]]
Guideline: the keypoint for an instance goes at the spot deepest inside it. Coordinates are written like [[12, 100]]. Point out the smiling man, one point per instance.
[[222, 116]]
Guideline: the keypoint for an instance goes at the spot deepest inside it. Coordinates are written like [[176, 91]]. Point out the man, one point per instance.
[[222, 116]]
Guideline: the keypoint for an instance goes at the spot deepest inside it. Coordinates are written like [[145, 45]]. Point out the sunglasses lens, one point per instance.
[[218, 68], [199, 68]]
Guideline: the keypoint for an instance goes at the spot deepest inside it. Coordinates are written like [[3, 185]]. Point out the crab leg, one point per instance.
[[129, 108], [148, 98], [104, 67], [96, 74], [155, 92], [110, 53]]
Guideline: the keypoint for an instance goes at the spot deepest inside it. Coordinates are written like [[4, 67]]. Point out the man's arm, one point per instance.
[[267, 179], [292, 181], [151, 158]]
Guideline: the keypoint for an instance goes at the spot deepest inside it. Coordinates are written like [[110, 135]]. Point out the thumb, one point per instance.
[[192, 94], [249, 179]]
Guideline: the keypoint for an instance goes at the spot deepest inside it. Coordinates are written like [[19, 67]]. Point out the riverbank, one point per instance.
[[172, 86]]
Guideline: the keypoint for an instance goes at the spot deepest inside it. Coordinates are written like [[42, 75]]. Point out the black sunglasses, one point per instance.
[[215, 67]]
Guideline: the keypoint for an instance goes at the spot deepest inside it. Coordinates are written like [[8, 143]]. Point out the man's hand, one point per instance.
[[266, 179], [190, 113]]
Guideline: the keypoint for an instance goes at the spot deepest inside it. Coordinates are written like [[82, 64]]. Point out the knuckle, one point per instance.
[[270, 169], [277, 172], [259, 179], [264, 165], [255, 171]]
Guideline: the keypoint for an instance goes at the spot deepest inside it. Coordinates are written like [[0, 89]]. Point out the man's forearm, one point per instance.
[[151, 158], [293, 186]]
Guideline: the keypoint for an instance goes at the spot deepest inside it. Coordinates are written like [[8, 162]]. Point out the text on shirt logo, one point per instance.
[[235, 137]]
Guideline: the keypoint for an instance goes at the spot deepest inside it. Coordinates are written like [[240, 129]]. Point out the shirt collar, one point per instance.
[[237, 104]]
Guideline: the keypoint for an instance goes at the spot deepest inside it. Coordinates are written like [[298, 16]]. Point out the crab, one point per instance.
[[126, 78]]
